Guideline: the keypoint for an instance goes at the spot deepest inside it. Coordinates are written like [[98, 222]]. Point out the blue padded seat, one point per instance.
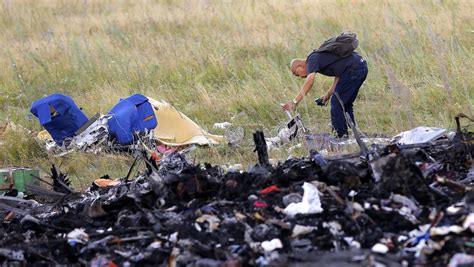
[[59, 115], [130, 115]]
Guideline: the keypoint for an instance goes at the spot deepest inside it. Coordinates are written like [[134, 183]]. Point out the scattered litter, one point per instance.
[[469, 222], [77, 236], [380, 248], [300, 230], [310, 203], [176, 213], [461, 259], [270, 246], [419, 135], [221, 125]]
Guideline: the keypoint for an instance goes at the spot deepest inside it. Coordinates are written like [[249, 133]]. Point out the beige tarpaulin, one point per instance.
[[176, 129]]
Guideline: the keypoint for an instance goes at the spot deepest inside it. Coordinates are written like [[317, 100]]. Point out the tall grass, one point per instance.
[[215, 59]]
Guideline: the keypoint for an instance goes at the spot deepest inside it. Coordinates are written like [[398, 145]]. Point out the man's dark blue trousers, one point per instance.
[[347, 87]]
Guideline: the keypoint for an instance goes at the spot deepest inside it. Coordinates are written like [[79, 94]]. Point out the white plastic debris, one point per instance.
[[285, 134], [78, 235], [310, 204], [334, 227], [299, 230], [410, 204], [272, 143], [173, 238], [154, 245], [221, 125], [198, 227], [357, 207], [270, 246], [469, 222], [94, 135], [232, 167], [352, 243], [461, 259], [380, 248], [419, 135], [444, 230]]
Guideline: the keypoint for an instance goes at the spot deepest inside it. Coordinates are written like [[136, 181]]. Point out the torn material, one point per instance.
[[310, 203]]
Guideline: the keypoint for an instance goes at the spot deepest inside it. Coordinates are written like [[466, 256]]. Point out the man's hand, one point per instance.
[[325, 99], [328, 95], [289, 106]]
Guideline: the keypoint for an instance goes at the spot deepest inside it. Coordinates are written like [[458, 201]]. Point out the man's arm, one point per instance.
[[308, 84], [331, 91]]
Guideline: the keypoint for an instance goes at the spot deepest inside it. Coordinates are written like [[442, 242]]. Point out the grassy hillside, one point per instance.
[[216, 59]]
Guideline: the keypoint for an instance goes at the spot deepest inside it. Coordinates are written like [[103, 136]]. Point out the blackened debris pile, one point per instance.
[[407, 205]]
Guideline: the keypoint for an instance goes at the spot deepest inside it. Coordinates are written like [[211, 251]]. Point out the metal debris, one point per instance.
[[416, 207]]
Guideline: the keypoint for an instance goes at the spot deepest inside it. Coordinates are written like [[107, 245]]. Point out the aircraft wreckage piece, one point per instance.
[[417, 210]]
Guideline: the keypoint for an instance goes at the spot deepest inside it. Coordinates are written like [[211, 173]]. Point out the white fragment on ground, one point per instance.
[[469, 222], [419, 135], [310, 203], [334, 227], [352, 243], [78, 235], [221, 125], [461, 259], [380, 248], [270, 246], [444, 230], [451, 210], [173, 237], [300, 230]]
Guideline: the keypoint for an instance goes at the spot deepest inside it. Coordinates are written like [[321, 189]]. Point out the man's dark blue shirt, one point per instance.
[[330, 64]]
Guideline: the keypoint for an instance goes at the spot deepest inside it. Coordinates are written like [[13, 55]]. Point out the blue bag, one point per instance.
[[130, 115], [59, 115]]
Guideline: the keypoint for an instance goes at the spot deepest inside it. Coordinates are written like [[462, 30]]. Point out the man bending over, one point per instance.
[[349, 73]]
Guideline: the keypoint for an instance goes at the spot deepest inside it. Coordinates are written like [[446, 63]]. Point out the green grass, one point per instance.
[[216, 59]]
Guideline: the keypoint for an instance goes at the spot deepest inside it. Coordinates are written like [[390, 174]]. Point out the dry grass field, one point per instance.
[[216, 59]]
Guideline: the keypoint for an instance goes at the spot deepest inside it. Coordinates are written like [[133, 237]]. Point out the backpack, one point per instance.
[[342, 45]]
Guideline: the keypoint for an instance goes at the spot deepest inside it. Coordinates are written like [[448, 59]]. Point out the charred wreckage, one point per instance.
[[389, 205]]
